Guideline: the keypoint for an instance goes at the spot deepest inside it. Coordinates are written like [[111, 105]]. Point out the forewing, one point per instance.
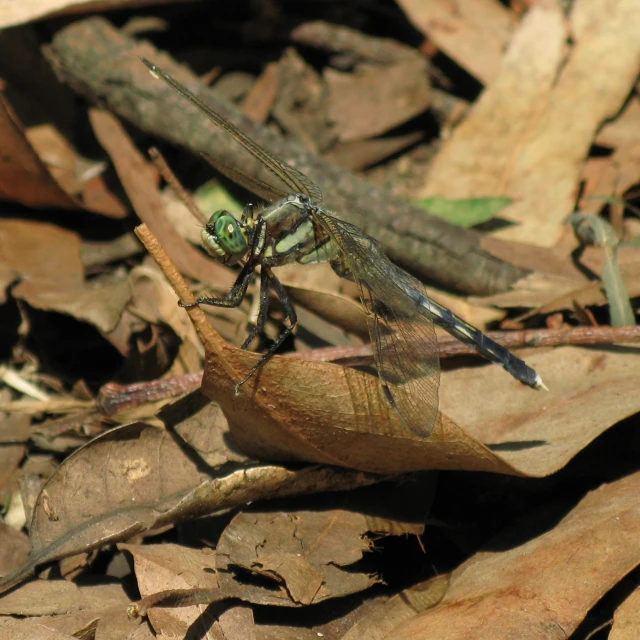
[[405, 344], [292, 180], [266, 191]]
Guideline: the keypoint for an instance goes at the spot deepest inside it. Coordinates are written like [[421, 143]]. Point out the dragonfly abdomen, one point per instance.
[[481, 343]]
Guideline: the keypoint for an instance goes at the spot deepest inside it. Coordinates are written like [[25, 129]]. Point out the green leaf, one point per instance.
[[465, 212], [212, 196]]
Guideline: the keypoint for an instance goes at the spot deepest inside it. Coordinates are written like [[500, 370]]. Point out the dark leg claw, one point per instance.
[[188, 305]]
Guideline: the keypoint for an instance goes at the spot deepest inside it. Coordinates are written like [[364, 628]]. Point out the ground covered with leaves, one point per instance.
[[493, 148]]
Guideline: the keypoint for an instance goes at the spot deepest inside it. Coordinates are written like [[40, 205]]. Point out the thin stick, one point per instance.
[[170, 178], [450, 347], [113, 398], [210, 338]]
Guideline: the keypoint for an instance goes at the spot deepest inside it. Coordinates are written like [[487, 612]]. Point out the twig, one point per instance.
[[170, 178], [215, 345], [113, 397]]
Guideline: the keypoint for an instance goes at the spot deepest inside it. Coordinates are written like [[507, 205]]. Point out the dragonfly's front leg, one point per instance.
[[239, 289], [235, 295]]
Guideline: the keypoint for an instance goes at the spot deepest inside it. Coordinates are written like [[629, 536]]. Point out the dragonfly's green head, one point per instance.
[[224, 237]]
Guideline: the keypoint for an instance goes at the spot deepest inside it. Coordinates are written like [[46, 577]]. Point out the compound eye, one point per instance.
[[229, 233]]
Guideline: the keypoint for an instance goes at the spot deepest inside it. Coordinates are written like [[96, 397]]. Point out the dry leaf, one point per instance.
[[471, 32], [386, 615], [61, 609], [47, 259], [14, 549], [548, 294], [167, 567], [43, 169], [24, 177], [55, 597], [377, 99], [480, 157], [545, 586], [14, 433], [139, 181], [612, 176], [153, 297], [523, 139], [303, 552], [591, 389], [626, 621], [120, 485]]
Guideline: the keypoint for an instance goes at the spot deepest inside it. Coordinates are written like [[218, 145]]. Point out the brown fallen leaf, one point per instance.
[[59, 609], [306, 554], [139, 180], [169, 567], [473, 33], [545, 586], [377, 99], [202, 425], [120, 485], [623, 130], [257, 104], [46, 258], [64, 525], [273, 558], [299, 106], [237, 623], [154, 300], [548, 294], [626, 621], [51, 597], [480, 155], [24, 177], [615, 174], [14, 549], [591, 389], [60, 627], [532, 148], [387, 614], [43, 169], [268, 558], [363, 154], [14, 433]]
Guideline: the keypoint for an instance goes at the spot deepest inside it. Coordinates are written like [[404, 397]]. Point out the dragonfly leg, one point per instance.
[[235, 295], [270, 280], [239, 289], [263, 310]]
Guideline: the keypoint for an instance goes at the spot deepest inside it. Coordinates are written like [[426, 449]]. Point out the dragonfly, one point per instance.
[[295, 228]]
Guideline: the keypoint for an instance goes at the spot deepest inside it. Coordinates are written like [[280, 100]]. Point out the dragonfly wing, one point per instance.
[[250, 183], [402, 333], [293, 180]]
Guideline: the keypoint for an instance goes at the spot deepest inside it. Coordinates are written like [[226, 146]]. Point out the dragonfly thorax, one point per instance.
[[225, 237]]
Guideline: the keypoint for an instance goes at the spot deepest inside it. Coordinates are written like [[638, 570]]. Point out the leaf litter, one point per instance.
[[304, 498]]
